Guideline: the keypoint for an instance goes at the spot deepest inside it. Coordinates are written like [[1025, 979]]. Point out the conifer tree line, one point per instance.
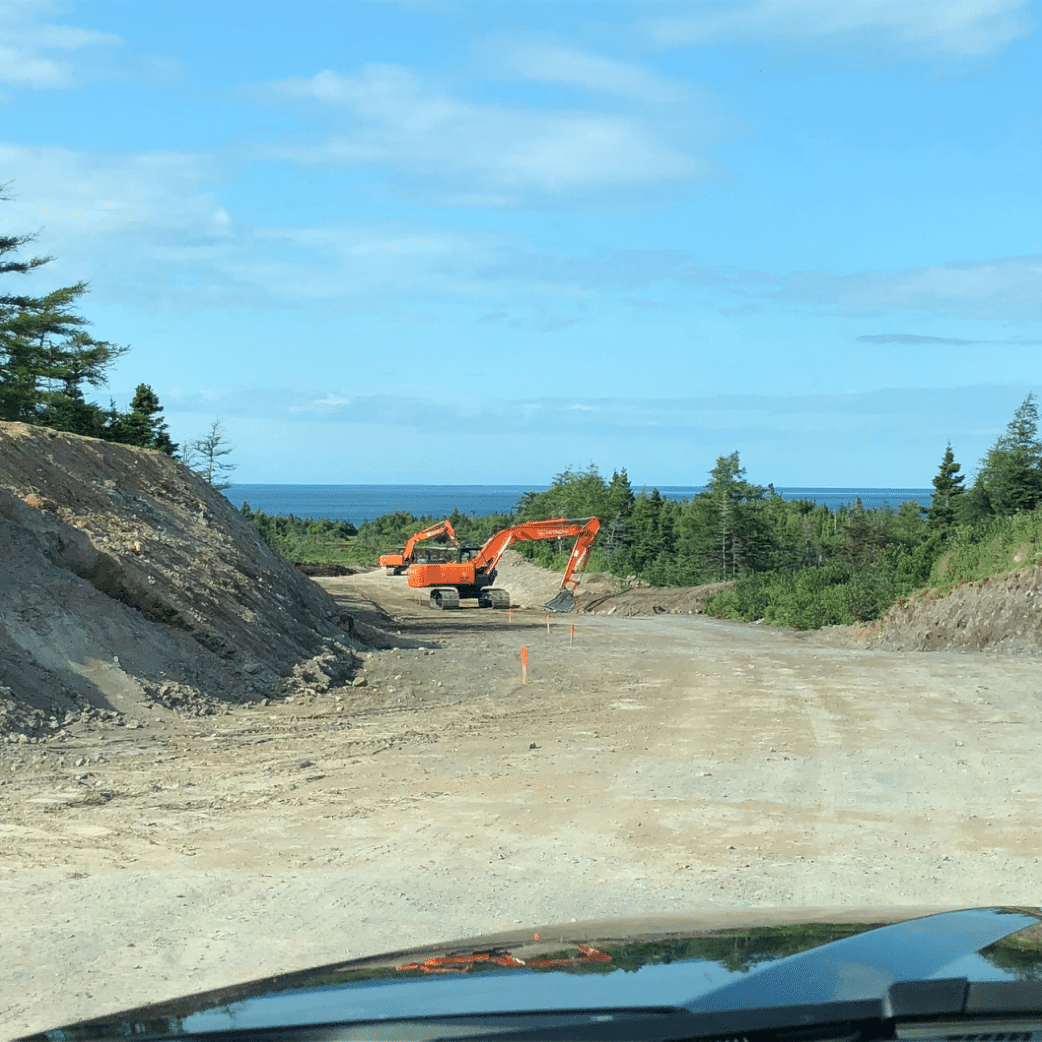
[[48, 361], [795, 562], [787, 562]]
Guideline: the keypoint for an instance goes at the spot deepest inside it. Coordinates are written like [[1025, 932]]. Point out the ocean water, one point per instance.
[[359, 503]]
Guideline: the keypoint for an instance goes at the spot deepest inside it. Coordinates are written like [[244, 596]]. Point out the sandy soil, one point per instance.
[[650, 764]]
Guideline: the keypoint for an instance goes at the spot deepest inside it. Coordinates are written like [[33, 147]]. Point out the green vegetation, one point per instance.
[[47, 356], [321, 541], [788, 563]]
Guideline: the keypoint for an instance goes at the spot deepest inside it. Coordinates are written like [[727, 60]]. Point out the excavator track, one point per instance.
[[494, 598], [444, 597]]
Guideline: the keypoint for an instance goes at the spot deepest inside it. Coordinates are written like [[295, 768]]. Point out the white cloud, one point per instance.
[[149, 226], [77, 193], [719, 418], [125, 223], [958, 27], [483, 151], [547, 63], [1006, 287], [28, 40]]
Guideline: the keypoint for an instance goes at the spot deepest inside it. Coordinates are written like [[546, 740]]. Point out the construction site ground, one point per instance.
[[651, 763]]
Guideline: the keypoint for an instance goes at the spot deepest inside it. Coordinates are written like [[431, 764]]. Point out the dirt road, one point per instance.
[[649, 765]]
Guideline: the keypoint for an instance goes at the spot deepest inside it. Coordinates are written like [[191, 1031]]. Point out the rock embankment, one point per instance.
[[1003, 613], [128, 581]]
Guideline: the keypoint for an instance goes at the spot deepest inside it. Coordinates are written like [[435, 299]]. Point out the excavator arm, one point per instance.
[[430, 533], [565, 600], [398, 562], [585, 530]]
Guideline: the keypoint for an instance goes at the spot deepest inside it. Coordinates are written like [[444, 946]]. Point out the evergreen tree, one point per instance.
[[46, 355], [648, 538], [1010, 475], [144, 425], [205, 456], [574, 493], [948, 492], [615, 533], [727, 490], [620, 494]]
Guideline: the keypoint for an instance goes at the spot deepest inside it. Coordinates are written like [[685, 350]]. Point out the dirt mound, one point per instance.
[[127, 581], [638, 598], [1001, 613], [531, 587]]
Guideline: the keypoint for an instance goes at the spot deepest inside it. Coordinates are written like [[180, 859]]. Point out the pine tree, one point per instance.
[[1010, 475], [727, 489], [948, 487], [615, 527], [46, 355], [205, 456], [144, 425]]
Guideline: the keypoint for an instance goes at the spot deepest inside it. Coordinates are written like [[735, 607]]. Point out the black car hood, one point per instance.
[[728, 979]]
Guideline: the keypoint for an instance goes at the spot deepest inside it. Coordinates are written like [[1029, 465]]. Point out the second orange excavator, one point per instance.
[[474, 577], [397, 563]]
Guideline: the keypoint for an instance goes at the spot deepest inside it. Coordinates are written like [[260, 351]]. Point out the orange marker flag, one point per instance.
[[524, 664]]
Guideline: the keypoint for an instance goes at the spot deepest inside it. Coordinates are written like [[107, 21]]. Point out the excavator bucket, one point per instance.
[[563, 602]]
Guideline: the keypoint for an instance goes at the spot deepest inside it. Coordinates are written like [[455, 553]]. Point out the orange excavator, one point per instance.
[[474, 573], [397, 563]]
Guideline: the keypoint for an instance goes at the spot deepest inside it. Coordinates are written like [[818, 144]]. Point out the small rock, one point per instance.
[[359, 682]]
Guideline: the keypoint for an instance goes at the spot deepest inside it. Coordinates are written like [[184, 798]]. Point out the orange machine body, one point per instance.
[[474, 577]]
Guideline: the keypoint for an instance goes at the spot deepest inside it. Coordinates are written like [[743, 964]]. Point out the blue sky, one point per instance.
[[480, 241]]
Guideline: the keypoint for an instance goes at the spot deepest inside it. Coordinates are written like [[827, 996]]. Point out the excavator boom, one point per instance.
[[430, 533], [397, 563]]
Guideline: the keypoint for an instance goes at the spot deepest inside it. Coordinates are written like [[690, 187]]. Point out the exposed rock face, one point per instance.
[[127, 579], [1003, 613]]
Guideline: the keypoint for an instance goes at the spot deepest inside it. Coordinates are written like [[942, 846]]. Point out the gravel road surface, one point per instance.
[[655, 764]]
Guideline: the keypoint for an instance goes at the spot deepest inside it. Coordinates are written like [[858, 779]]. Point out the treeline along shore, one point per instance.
[[788, 562]]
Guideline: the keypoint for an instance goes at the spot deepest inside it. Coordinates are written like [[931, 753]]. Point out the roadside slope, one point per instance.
[[998, 614], [128, 581]]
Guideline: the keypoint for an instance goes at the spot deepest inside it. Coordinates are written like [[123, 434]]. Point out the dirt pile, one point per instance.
[[1001, 613], [531, 586], [600, 592], [126, 581], [640, 598]]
